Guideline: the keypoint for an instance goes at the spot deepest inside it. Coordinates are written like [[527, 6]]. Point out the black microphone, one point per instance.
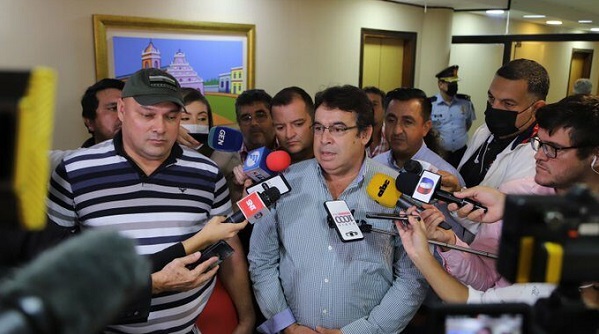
[[409, 183], [80, 286], [253, 204]]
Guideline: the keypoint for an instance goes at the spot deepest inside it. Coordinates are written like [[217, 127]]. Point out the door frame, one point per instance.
[[586, 68], [409, 52]]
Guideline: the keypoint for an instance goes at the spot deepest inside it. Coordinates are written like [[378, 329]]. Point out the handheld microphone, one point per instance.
[[426, 186], [254, 165], [222, 138], [278, 161], [253, 206], [382, 190], [78, 287]]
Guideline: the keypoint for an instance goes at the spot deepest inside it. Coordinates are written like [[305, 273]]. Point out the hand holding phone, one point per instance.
[[221, 249]]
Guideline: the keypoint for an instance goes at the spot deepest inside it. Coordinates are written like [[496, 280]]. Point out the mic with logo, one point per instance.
[[254, 206], [382, 190], [426, 186], [254, 165], [222, 138], [276, 161]]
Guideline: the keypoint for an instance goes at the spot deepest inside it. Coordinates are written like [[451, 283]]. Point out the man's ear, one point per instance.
[[89, 125], [366, 134], [120, 107], [427, 126]]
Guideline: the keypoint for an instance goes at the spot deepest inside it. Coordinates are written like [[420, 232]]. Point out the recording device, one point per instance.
[[276, 161], [222, 138], [26, 122], [199, 132], [343, 221], [254, 165], [220, 249], [80, 286], [254, 206], [426, 187], [383, 191], [388, 216], [480, 318], [553, 239]]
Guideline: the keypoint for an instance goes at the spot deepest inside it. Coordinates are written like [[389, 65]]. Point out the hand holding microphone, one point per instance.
[[491, 198]]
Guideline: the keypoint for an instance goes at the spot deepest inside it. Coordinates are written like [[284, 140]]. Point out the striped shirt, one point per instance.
[[303, 272], [101, 187]]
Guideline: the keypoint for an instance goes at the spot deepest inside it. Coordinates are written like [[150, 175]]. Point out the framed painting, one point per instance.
[[215, 58]]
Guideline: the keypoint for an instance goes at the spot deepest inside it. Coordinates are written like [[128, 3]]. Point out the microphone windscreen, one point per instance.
[[278, 161], [83, 282], [222, 138], [407, 183], [382, 190], [413, 166]]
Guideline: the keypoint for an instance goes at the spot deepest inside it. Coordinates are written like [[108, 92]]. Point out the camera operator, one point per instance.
[[567, 150]]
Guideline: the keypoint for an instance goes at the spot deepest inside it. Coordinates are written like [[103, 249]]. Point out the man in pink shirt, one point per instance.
[[567, 151]]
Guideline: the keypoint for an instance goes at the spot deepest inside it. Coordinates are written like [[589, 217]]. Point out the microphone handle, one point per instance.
[[448, 197], [442, 244], [235, 218], [405, 204]]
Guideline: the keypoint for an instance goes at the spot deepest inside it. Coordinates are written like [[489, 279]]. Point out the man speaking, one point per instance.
[[306, 279]]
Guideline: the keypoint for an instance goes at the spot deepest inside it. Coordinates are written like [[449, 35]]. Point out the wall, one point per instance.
[[309, 43]]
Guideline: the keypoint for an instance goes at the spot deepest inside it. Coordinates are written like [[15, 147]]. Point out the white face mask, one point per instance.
[[196, 128]]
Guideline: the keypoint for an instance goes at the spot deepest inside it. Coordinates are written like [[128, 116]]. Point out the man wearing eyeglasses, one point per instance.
[[566, 153], [499, 151], [252, 108], [306, 279]]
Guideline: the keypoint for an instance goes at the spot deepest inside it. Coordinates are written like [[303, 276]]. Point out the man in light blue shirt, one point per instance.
[[452, 115], [305, 278]]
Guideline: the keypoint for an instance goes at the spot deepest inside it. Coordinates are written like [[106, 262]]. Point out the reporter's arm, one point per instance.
[[493, 199]]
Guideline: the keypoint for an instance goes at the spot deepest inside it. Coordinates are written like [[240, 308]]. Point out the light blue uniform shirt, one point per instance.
[[452, 121], [302, 272]]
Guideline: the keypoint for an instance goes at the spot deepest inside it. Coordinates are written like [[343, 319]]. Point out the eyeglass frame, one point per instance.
[[337, 132], [541, 144], [247, 118]]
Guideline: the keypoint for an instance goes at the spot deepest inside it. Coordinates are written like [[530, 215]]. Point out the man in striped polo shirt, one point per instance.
[[150, 189]]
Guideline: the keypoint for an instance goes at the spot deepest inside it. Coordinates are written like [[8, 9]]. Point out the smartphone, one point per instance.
[[427, 185], [343, 220], [221, 249], [277, 181]]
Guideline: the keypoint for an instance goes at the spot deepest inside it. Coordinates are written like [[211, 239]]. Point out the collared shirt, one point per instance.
[[102, 188], [452, 121], [380, 148], [423, 154], [304, 273]]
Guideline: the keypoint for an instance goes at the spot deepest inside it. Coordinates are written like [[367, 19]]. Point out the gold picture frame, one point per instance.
[[108, 26]]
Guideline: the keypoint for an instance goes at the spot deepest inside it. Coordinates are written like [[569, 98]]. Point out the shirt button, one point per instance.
[[326, 280], [330, 247]]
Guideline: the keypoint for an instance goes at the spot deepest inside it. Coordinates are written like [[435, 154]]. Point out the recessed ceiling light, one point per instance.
[[595, 29], [533, 16], [554, 22], [495, 11], [585, 21]]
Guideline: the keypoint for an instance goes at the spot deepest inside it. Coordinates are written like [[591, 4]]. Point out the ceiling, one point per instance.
[[567, 11]]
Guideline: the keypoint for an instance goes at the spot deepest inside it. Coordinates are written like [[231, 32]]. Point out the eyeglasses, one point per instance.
[[260, 117], [549, 149], [336, 130]]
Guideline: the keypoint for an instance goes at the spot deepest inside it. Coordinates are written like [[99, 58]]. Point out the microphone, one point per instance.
[[427, 185], [278, 161], [253, 206], [78, 287], [382, 190], [254, 165], [222, 138]]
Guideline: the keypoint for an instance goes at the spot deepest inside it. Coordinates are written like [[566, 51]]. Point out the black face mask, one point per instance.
[[502, 123], [452, 88]]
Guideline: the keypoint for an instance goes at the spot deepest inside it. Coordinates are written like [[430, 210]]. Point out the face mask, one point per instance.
[[198, 131], [452, 88], [502, 123]]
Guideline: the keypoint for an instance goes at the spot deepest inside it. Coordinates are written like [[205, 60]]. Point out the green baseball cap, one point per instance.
[[150, 86]]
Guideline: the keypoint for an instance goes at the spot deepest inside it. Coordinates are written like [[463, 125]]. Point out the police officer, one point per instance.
[[452, 115]]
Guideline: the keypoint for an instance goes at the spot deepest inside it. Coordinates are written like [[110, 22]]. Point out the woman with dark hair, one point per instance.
[[230, 304]]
